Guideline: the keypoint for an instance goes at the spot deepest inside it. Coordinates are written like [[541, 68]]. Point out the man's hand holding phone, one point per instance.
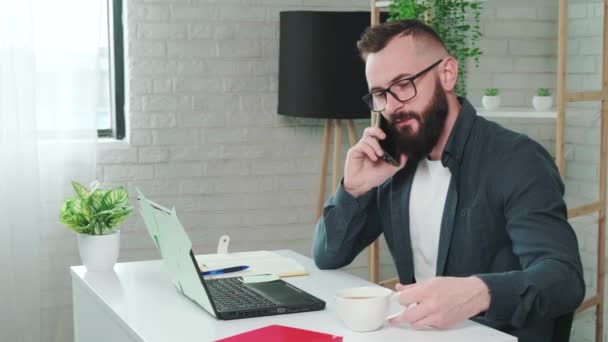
[[365, 167]]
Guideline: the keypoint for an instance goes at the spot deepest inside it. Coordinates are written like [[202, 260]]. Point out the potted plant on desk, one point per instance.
[[95, 214], [543, 100]]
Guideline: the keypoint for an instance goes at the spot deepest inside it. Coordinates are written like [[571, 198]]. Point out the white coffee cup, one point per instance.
[[365, 308]]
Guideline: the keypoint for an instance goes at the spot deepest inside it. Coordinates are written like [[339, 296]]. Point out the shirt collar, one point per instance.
[[454, 148]]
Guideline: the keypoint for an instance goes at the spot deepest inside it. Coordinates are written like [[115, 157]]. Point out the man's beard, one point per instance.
[[430, 126]]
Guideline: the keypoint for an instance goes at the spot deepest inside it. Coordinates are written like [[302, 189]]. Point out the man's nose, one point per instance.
[[392, 104]]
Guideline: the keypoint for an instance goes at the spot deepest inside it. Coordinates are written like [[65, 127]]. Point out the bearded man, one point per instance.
[[474, 215]]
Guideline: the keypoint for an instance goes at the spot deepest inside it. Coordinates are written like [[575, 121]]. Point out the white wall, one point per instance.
[[583, 135], [520, 54], [519, 47], [519, 44], [204, 135]]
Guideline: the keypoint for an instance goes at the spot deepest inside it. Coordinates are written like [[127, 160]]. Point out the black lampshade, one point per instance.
[[320, 72]]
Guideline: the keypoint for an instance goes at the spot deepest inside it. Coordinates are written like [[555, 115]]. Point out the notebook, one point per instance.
[[259, 262], [280, 333], [223, 298]]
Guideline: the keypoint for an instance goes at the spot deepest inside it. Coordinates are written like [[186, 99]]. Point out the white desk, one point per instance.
[[138, 302]]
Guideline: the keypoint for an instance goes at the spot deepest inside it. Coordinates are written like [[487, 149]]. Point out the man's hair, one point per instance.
[[377, 37]]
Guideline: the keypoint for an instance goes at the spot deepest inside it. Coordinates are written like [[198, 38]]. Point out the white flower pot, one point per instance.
[[99, 252], [542, 103], [490, 102]]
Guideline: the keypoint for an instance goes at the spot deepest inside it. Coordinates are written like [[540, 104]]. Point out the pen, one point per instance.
[[225, 270]]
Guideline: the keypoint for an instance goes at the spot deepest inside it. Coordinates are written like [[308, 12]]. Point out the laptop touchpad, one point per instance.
[[280, 292]]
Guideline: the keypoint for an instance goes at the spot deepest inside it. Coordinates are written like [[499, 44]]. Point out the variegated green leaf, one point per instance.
[[115, 197], [116, 219], [85, 209], [75, 221], [75, 206], [93, 186], [95, 200], [90, 229], [81, 191], [74, 214], [108, 212], [65, 215]]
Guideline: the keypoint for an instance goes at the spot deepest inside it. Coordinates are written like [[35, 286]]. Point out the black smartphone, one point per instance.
[[392, 155]]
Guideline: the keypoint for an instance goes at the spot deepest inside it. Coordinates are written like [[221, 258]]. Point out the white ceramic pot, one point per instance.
[[99, 252], [542, 103], [490, 102]]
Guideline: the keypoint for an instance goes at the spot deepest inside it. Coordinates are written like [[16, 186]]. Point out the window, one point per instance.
[[111, 97]]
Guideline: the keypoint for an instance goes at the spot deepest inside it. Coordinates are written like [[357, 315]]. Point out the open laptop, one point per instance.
[[223, 298]]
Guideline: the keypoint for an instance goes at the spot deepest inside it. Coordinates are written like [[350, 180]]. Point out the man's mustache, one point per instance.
[[402, 116]]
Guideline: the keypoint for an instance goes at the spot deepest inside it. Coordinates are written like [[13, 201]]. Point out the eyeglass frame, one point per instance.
[[367, 98]]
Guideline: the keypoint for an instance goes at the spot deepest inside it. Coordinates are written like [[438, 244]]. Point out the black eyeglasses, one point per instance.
[[402, 90]]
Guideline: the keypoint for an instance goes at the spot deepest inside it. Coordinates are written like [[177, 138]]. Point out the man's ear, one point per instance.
[[448, 73]]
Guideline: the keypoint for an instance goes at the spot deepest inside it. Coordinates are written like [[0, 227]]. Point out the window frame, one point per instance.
[[117, 74]]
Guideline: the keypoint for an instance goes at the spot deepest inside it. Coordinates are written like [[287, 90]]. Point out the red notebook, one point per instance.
[[280, 333]]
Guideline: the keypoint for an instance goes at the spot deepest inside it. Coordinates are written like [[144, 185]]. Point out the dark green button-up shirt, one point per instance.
[[504, 220]]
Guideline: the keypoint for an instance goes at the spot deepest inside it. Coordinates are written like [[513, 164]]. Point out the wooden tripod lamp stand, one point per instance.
[[322, 76], [336, 159]]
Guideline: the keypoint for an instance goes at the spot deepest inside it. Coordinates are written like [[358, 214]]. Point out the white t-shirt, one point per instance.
[[427, 199]]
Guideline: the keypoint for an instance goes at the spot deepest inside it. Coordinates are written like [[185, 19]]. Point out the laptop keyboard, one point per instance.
[[231, 293]]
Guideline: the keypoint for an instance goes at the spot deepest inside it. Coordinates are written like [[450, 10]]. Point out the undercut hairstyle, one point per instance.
[[377, 37]]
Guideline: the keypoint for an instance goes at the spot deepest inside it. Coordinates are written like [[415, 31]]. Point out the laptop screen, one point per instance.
[[175, 247]]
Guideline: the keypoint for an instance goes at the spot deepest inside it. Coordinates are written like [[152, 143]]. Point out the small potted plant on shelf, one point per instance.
[[95, 215], [543, 100], [491, 99]]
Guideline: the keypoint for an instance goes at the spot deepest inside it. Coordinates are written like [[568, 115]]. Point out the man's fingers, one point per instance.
[[373, 143], [432, 321], [370, 147], [400, 287], [367, 150], [416, 313], [411, 294], [402, 162], [424, 323], [374, 132]]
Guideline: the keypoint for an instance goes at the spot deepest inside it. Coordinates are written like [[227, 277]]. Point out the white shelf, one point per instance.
[[516, 112], [383, 4]]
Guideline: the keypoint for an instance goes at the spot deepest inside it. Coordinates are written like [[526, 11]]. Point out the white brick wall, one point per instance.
[[204, 135], [584, 67], [519, 50], [533, 60]]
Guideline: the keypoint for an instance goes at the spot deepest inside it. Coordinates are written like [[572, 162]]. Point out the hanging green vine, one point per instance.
[[455, 21]]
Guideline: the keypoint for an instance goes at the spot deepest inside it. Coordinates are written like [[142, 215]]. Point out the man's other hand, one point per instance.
[[442, 302]]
